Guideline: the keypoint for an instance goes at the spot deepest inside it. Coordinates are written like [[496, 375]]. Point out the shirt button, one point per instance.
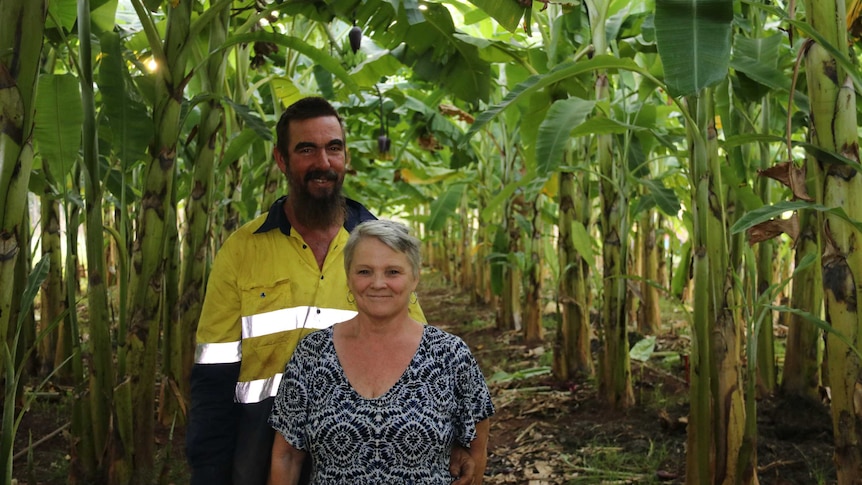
[[321, 276], [304, 246], [318, 311]]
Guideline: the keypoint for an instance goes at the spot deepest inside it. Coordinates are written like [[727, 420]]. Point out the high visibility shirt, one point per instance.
[[265, 292]]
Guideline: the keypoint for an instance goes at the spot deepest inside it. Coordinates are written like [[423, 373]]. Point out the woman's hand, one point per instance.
[[462, 465], [286, 464], [469, 464]]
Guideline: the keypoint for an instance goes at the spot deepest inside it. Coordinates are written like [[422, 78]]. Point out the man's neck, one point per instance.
[[317, 238]]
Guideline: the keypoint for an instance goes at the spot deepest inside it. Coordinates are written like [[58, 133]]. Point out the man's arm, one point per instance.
[[211, 432], [213, 416], [286, 464]]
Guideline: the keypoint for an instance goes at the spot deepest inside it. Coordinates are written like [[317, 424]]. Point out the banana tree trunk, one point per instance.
[[101, 368], [231, 221], [833, 128], [466, 282], [148, 251], [196, 241], [482, 291], [83, 467], [169, 399], [649, 321], [21, 25], [802, 357], [572, 347], [615, 384], [766, 372], [233, 175], [53, 299], [718, 451], [25, 361], [533, 331], [700, 453], [509, 316], [443, 252]]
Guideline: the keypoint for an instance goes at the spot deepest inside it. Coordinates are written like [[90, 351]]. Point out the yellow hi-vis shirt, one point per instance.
[[265, 292]]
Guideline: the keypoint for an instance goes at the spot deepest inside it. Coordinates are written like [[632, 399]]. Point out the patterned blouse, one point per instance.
[[404, 436]]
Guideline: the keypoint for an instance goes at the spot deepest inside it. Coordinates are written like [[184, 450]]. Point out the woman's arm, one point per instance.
[[286, 462], [479, 450], [469, 464], [461, 465]]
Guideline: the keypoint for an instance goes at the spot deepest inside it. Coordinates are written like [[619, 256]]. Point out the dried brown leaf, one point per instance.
[[449, 110], [772, 228], [792, 176]]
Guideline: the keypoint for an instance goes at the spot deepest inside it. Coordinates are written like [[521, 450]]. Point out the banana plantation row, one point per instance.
[[591, 152]]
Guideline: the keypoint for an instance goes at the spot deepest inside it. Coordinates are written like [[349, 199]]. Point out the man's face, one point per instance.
[[316, 158]]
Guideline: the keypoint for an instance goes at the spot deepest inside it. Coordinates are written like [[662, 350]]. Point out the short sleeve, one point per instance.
[[289, 414], [471, 392]]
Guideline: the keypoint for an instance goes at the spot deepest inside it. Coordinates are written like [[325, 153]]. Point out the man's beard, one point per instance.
[[313, 211]]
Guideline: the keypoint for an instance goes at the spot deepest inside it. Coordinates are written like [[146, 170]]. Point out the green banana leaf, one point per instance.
[[768, 212], [555, 131], [563, 71], [129, 118], [59, 118], [508, 14], [693, 39], [319, 57], [444, 206]]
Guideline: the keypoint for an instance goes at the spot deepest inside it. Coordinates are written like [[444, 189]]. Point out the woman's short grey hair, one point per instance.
[[393, 234]]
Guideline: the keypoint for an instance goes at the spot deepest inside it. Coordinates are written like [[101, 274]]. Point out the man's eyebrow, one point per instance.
[[308, 144]]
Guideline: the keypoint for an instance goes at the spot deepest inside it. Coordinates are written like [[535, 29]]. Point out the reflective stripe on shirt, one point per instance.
[[292, 319], [221, 353], [257, 390]]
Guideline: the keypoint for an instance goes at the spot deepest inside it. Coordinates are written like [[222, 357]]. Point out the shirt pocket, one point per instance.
[[260, 299]]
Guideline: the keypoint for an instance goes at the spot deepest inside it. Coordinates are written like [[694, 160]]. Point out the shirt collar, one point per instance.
[[277, 219]]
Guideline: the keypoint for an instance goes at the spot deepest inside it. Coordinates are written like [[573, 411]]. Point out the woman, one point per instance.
[[380, 398]]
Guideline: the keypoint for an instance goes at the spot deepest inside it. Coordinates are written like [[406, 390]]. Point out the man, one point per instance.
[[276, 279]]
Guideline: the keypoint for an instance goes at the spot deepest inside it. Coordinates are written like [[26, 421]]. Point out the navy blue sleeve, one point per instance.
[[211, 430]]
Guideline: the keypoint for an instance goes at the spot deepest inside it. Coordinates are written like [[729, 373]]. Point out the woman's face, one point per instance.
[[381, 279]]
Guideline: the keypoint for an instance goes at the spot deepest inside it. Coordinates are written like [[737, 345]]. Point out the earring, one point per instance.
[[350, 298], [414, 298]]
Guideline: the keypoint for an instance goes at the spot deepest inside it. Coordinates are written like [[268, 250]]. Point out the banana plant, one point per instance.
[[13, 371], [833, 128], [19, 68], [693, 40], [830, 217], [183, 320]]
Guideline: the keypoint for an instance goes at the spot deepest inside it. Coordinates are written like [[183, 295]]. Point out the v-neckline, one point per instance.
[[393, 386]]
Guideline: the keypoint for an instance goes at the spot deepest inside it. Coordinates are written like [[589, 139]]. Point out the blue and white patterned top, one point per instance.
[[404, 436]]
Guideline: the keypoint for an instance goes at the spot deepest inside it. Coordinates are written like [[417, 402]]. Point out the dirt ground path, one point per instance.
[[547, 432], [544, 432]]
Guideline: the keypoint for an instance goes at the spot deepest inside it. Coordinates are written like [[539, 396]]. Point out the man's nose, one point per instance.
[[321, 161]]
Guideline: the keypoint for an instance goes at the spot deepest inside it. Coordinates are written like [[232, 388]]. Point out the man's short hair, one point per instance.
[[304, 109]]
